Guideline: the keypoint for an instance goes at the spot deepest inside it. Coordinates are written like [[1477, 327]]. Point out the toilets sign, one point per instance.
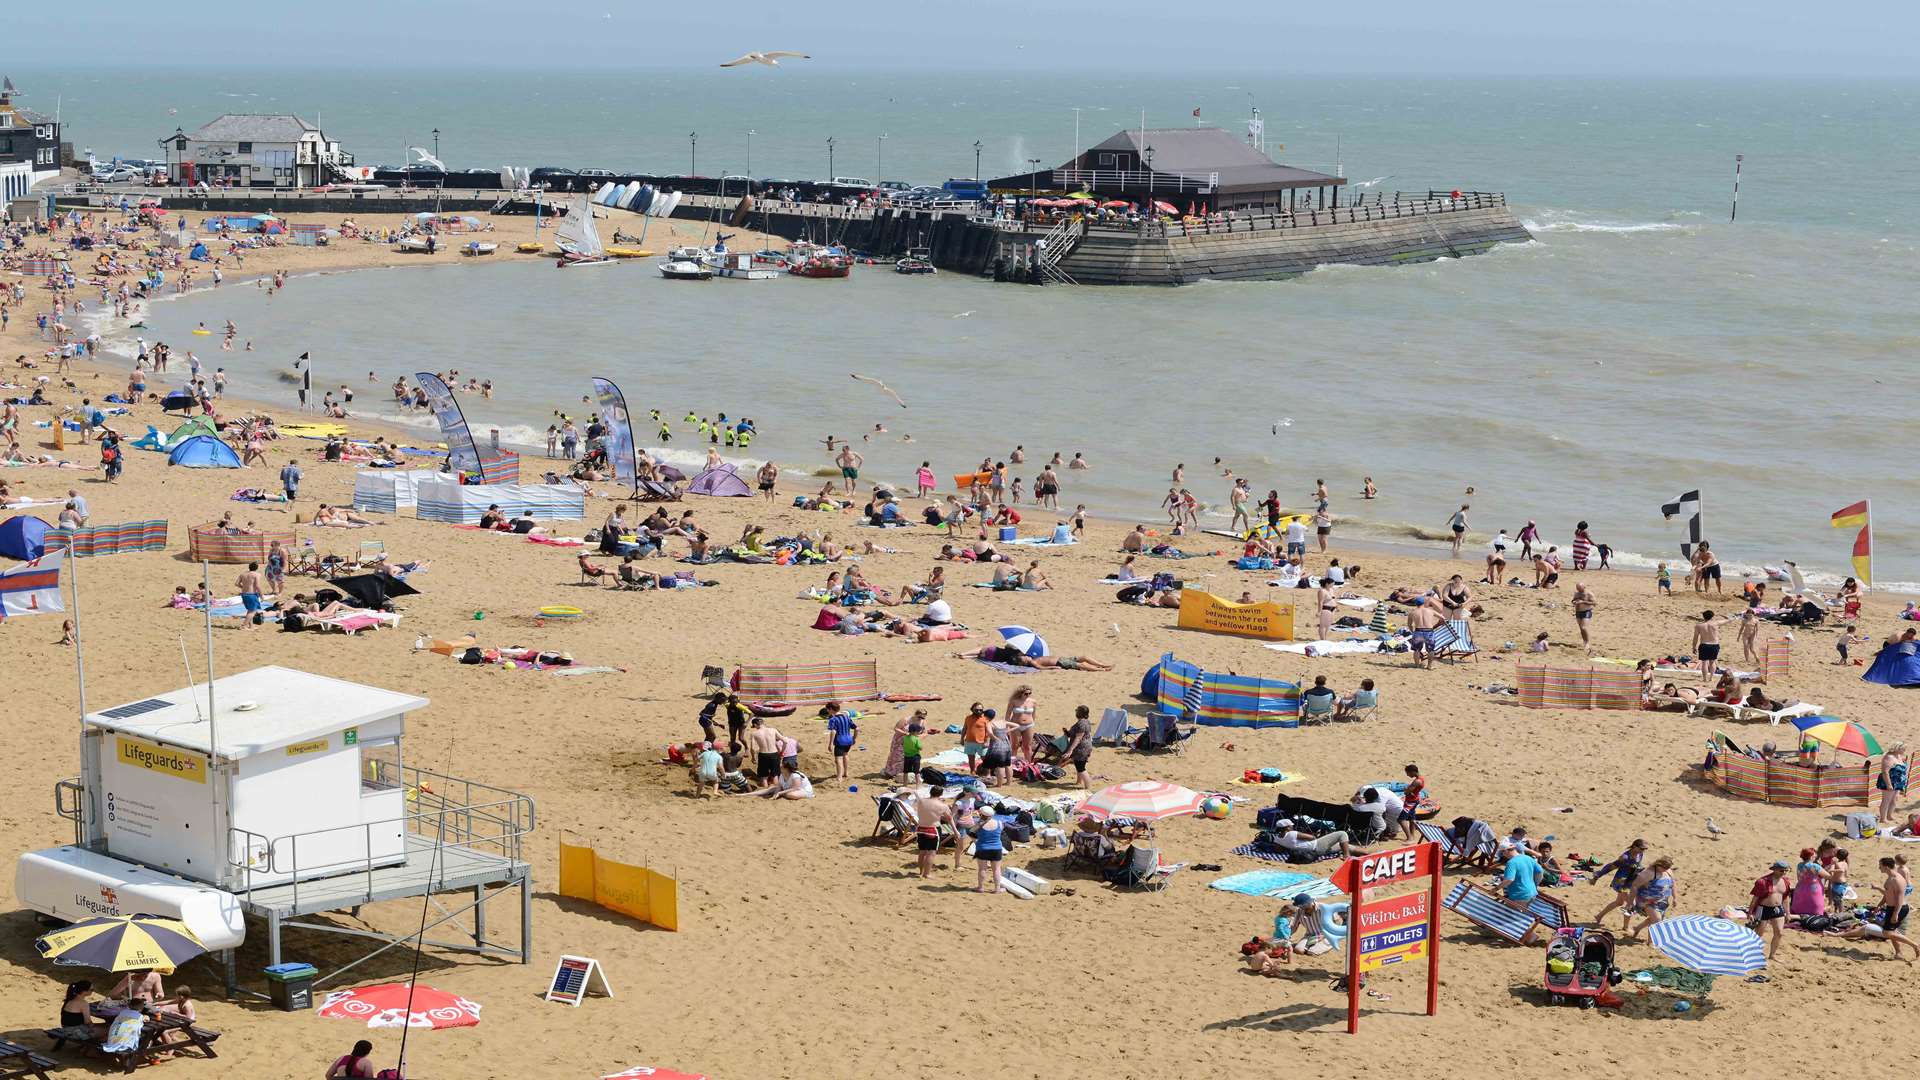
[[1389, 930]]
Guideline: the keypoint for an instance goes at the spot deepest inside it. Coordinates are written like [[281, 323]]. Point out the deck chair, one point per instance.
[[713, 680], [1164, 733], [1454, 639], [1112, 729], [1357, 712], [892, 822], [1434, 834], [1489, 913], [1316, 708]]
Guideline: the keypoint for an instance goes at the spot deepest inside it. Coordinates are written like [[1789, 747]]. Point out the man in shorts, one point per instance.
[[1296, 538], [1768, 908], [1423, 620], [1706, 644], [973, 735], [1080, 745], [929, 814], [1884, 923], [764, 741], [850, 463], [251, 587], [1311, 847]]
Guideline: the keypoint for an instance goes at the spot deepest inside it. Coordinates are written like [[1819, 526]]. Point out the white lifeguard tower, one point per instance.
[[274, 793]]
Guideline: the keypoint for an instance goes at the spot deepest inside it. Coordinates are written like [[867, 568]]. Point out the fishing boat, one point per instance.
[[479, 247], [770, 258], [685, 270], [578, 241], [737, 266], [917, 261], [823, 264], [687, 253]]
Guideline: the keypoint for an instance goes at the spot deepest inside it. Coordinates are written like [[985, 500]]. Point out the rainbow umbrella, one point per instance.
[[1839, 734]]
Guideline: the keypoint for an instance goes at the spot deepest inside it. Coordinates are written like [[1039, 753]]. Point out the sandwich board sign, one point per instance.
[[1388, 930], [574, 977]]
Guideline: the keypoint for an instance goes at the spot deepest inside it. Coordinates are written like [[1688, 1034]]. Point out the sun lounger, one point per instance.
[[1112, 729], [1489, 913]]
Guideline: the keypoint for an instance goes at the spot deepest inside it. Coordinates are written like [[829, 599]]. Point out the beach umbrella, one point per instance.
[[1025, 640], [387, 1005], [1165, 207], [639, 1071], [1147, 800], [1116, 204], [1839, 734], [372, 590], [1709, 945], [122, 943]]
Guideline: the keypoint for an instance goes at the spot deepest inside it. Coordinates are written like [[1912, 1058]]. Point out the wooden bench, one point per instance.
[[179, 1035], [17, 1061]]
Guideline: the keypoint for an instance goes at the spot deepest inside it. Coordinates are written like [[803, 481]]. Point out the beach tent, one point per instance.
[[204, 452], [177, 401], [721, 480], [1150, 683], [199, 425], [23, 537], [1897, 665]]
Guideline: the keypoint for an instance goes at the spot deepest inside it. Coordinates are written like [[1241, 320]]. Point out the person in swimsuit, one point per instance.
[[1890, 914], [1455, 597], [1706, 643], [1653, 893], [764, 741], [1706, 567], [1767, 911], [1458, 524], [354, 1064], [930, 813], [1324, 599], [1423, 620], [1892, 781], [988, 849], [850, 463], [1020, 713], [1583, 614], [1624, 869]]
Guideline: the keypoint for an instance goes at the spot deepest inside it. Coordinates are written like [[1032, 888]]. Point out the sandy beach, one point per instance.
[[806, 951]]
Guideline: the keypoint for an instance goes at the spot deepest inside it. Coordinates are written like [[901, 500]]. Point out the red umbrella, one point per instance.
[[386, 1005], [1165, 207], [1115, 204], [640, 1071]]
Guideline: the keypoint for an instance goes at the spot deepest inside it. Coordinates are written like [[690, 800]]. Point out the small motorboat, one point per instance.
[[685, 270], [911, 265], [416, 245], [686, 253], [771, 258], [823, 265], [479, 247]]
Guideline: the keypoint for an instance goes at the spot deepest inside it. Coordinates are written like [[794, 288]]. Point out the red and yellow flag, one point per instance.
[[1859, 514]]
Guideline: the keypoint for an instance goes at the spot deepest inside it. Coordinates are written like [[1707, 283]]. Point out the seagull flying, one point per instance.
[[1375, 182], [963, 314], [884, 388], [771, 59]]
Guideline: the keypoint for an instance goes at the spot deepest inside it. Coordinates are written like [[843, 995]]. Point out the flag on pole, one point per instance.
[[1688, 504], [32, 588], [1859, 514]]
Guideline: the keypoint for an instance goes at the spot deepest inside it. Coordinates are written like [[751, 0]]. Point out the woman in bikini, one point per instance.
[[1020, 713]]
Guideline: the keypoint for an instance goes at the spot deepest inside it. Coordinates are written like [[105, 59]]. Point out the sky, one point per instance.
[[1710, 38]]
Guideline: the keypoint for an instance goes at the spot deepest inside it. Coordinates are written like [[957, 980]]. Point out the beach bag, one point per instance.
[[1862, 826], [1254, 562], [826, 620], [473, 656], [1269, 817]]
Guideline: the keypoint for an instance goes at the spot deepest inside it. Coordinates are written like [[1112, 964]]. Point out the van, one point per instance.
[[854, 181], [966, 188]]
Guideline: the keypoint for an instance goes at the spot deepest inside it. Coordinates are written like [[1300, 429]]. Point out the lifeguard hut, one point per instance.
[[274, 793]]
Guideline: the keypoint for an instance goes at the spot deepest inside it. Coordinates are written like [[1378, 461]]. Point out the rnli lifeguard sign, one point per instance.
[[1390, 930]]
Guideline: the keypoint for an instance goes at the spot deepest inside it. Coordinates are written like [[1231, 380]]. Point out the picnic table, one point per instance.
[[17, 1061], [161, 1033]]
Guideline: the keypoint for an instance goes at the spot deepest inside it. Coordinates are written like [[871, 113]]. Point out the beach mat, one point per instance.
[[1285, 883], [1252, 852], [1290, 778]]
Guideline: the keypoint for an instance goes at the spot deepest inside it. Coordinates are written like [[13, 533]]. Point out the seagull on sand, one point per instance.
[[771, 59], [1715, 829], [884, 388]]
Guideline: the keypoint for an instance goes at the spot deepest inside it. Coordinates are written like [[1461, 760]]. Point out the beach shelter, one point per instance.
[[721, 480], [178, 401], [23, 537], [372, 590], [401, 1005], [204, 452], [1897, 665], [198, 425]]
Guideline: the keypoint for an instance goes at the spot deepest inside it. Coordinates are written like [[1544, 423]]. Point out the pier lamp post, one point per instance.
[[879, 150], [1033, 177], [750, 134], [829, 158], [693, 153], [1147, 153], [436, 142], [976, 159]]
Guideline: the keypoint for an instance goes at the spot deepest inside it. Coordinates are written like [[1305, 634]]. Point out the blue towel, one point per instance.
[[1282, 883], [1252, 852]]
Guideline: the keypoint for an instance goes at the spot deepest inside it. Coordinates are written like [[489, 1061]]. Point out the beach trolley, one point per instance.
[[276, 794]]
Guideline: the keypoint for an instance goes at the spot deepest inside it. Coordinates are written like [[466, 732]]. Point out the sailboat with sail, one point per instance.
[[578, 241]]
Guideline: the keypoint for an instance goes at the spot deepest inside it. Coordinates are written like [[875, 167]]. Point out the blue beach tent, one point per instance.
[[23, 537], [204, 452]]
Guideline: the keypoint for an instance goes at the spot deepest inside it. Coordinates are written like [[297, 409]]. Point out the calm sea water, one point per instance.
[[1641, 347]]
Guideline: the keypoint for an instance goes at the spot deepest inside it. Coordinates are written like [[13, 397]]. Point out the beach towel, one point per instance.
[[1284, 883], [1012, 669], [1378, 624], [1324, 648], [1041, 541], [584, 670], [1252, 852], [1289, 778]]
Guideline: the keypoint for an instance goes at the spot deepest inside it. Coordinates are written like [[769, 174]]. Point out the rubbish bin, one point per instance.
[[291, 985]]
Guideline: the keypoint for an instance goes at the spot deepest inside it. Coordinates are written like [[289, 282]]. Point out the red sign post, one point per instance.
[[1392, 929]]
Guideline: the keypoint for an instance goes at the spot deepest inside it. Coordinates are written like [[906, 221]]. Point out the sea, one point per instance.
[[1644, 344]]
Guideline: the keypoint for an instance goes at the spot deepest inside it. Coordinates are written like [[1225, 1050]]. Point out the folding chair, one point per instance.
[[1316, 708], [1489, 913], [891, 821], [713, 680], [1112, 729], [373, 547]]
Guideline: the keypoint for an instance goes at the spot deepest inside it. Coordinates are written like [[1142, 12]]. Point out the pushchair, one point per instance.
[[1580, 965]]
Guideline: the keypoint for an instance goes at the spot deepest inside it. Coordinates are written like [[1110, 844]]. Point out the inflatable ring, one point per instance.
[[560, 611]]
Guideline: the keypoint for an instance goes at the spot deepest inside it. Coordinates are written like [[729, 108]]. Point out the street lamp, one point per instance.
[[1148, 155], [879, 146], [829, 159], [1033, 177], [976, 159], [436, 143], [693, 153], [750, 134]]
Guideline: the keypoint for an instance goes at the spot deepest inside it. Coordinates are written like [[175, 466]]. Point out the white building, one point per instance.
[[254, 150]]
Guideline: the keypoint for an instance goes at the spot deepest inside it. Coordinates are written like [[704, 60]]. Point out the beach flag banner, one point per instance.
[[95, 540], [211, 543], [32, 588], [1860, 516], [461, 451], [1688, 504], [634, 891], [1262, 619], [1218, 700], [575, 977], [1577, 686], [613, 416], [1776, 661], [808, 684]]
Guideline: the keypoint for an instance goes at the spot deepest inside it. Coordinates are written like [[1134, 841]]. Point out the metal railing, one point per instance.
[[459, 814], [1380, 208], [1057, 244], [1135, 179]]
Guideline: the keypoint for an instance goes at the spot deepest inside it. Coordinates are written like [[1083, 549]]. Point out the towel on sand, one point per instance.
[[1324, 648], [1252, 852], [1287, 883]]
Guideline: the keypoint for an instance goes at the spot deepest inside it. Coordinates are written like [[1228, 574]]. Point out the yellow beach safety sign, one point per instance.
[[311, 746], [1262, 619], [153, 757]]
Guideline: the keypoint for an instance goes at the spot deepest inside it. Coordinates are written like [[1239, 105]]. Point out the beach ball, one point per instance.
[[1216, 807], [1683, 1006]]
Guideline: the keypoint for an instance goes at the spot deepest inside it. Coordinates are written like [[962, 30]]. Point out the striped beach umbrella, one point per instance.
[[1709, 945], [1025, 640], [122, 943], [1839, 734], [1147, 800]]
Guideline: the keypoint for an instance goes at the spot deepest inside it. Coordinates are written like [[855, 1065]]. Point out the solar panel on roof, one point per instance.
[[137, 708]]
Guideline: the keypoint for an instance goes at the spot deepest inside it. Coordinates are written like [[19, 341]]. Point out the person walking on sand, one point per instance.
[[252, 586], [1654, 892], [844, 731], [768, 477], [290, 479], [1706, 644], [1892, 781], [1583, 605], [1237, 499], [1458, 524], [850, 461], [1624, 869], [1080, 744]]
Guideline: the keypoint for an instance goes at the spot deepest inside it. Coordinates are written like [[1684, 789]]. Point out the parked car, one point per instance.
[[895, 185], [860, 182], [966, 188], [599, 174]]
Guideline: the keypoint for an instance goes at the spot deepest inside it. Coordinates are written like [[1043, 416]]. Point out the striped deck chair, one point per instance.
[[1453, 639], [1434, 834], [1112, 729], [1487, 912], [1551, 911]]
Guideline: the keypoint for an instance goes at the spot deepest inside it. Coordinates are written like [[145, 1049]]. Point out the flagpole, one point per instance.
[[81, 829], [1867, 529]]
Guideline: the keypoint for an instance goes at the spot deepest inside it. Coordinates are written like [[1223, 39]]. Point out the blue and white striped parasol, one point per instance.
[[1709, 945], [1025, 640]]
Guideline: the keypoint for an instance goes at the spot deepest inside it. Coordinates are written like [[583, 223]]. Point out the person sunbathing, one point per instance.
[[632, 577], [929, 589], [790, 784], [1034, 580], [1007, 654], [339, 518], [1136, 541], [596, 573]]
